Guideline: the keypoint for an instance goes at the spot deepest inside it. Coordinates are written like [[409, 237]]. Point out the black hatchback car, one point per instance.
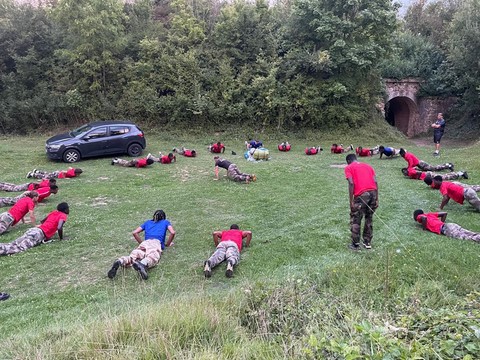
[[97, 139]]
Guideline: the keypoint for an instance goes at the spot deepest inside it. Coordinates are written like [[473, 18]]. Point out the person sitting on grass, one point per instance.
[[228, 247], [364, 152], [27, 186], [216, 148], [413, 161], [138, 163], [285, 146], [338, 149], [388, 151], [253, 144], [147, 254], [60, 174], [163, 159], [185, 152], [435, 223], [313, 150], [415, 174], [42, 233], [233, 172], [24, 206], [456, 192]]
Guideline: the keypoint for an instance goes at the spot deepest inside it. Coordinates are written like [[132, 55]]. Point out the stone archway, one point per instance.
[[401, 112]]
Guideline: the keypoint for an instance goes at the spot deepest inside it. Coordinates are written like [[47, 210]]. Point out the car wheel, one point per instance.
[[134, 150], [71, 156]]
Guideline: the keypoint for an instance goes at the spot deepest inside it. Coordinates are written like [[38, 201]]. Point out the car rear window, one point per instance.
[[119, 130]]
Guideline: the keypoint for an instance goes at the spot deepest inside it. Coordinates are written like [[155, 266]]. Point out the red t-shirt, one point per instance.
[[165, 159], [363, 177], [50, 225], [233, 235], [311, 151], [411, 159], [414, 174], [453, 191], [434, 224], [141, 163], [43, 183], [364, 152], [21, 208], [336, 150], [188, 153], [43, 193], [70, 173], [284, 147], [217, 149]]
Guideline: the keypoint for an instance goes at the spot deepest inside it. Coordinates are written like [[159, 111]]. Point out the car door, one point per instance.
[[118, 139], [94, 143]]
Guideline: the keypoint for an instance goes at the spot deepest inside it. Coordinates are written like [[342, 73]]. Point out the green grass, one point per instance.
[[63, 306]]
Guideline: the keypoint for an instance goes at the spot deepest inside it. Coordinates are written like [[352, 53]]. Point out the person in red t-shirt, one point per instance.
[[10, 201], [456, 192], [163, 159], [138, 163], [216, 148], [24, 206], [61, 174], [338, 149], [42, 233], [45, 192], [415, 174], [435, 222], [413, 161], [228, 247], [313, 150], [363, 194], [285, 146], [27, 186], [185, 152], [364, 152]]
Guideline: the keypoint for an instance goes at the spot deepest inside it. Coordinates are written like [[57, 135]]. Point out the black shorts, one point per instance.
[[437, 136]]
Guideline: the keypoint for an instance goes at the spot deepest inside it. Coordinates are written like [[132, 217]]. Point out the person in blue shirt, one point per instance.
[[388, 151], [147, 254]]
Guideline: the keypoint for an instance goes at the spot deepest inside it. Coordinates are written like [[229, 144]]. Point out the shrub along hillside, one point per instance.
[[298, 291]]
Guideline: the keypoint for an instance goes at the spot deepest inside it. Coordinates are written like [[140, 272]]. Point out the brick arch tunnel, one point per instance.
[[400, 112]]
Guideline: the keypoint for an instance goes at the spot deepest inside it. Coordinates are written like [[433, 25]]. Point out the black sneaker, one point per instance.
[[137, 265], [113, 271], [113, 162], [465, 175], [4, 296], [229, 272], [207, 270], [451, 166], [354, 247]]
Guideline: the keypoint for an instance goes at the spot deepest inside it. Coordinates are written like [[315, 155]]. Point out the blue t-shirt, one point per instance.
[[156, 230], [388, 151], [441, 129]]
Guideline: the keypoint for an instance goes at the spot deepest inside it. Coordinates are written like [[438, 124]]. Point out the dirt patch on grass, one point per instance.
[[341, 166], [446, 142]]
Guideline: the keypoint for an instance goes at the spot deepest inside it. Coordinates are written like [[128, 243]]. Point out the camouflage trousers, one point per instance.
[[12, 187], [454, 175], [148, 252], [456, 231], [39, 174], [234, 173], [10, 201], [471, 196], [226, 251], [125, 163], [31, 238], [6, 220], [475, 188], [427, 167], [364, 205]]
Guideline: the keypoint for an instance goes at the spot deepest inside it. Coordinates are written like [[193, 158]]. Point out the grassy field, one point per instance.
[[298, 291]]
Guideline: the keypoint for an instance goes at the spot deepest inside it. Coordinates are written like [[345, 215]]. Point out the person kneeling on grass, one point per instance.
[[42, 233], [147, 254], [435, 222], [229, 245]]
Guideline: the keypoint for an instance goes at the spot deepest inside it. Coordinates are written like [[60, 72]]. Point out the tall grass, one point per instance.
[[298, 291]]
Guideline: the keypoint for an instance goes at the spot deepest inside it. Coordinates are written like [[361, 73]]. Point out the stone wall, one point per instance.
[[428, 108]]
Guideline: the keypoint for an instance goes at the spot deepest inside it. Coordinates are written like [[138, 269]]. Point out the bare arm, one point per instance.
[[216, 172], [136, 235], [60, 229], [424, 223], [216, 237], [32, 217], [445, 200], [442, 216], [350, 191], [171, 230], [248, 236]]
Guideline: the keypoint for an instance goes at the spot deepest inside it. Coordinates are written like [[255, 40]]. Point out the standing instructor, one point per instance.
[[438, 130]]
